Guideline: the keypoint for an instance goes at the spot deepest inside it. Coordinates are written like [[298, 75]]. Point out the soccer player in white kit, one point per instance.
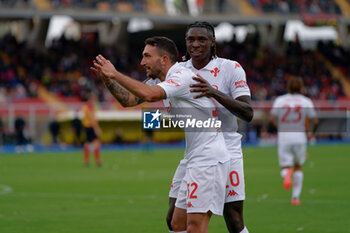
[[289, 113], [207, 158], [225, 81]]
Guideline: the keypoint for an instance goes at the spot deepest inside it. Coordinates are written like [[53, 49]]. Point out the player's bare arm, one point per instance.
[[124, 97], [139, 89], [240, 107]]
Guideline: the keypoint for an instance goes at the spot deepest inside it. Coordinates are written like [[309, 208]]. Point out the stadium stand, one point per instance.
[[63, 68], [292, 6]]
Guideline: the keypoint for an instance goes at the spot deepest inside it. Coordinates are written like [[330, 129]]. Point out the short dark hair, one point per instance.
[[294, 85], [211, 32], [165, 45]]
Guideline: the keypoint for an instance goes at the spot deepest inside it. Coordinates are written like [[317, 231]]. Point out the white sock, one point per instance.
[[245, 230], [284, 172], [298, 177], [179, 231]]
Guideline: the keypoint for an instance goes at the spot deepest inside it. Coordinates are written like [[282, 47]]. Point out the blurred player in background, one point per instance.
[[202, 192], [289, 114], [92, 130], [225, 81]]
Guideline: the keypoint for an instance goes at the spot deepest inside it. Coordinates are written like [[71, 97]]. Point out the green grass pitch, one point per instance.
[[55, 193]]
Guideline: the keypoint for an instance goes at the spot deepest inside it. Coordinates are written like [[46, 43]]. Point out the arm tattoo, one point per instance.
[[121, 94], [138, 100]]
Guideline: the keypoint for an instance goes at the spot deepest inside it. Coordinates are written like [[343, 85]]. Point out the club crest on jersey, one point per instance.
[[215, 71], [151, 120]]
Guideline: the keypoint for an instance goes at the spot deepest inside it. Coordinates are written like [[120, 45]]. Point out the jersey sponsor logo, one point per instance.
[[240, 84], [232, 193], [151, 120], [173, 82], [237, 65], [215, 71]]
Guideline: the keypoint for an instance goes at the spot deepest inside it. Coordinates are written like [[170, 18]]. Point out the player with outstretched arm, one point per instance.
[[207, 163]]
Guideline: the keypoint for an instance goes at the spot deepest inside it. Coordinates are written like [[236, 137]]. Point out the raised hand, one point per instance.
[[103, 68]]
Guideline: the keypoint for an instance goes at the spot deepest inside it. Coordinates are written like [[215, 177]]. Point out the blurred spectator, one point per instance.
[[314, 7], [173, 7], [54, 128], [195, 7], [22, 143], [77, 127], [19, 129], [220, 6], [118, 136]]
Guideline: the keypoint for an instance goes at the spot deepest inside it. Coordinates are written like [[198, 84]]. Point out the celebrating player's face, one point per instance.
[[151, 61], [198, 43]]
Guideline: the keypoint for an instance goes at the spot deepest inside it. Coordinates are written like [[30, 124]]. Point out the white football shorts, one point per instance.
[[235, 188], [290, 154], [177, 179], [203, 189]]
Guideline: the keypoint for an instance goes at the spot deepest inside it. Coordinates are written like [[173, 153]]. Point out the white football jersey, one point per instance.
[[228, 77], [203, 147], [153, 82], [291, 111]]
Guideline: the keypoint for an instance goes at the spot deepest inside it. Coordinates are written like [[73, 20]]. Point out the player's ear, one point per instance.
[[164, 59]]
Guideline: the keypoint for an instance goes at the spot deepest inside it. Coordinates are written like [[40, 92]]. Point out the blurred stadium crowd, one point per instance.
[[297, 6], [263, 6], [63, 68], [136, 5]]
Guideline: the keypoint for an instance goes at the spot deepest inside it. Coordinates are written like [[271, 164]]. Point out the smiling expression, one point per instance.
[[199, 43]]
